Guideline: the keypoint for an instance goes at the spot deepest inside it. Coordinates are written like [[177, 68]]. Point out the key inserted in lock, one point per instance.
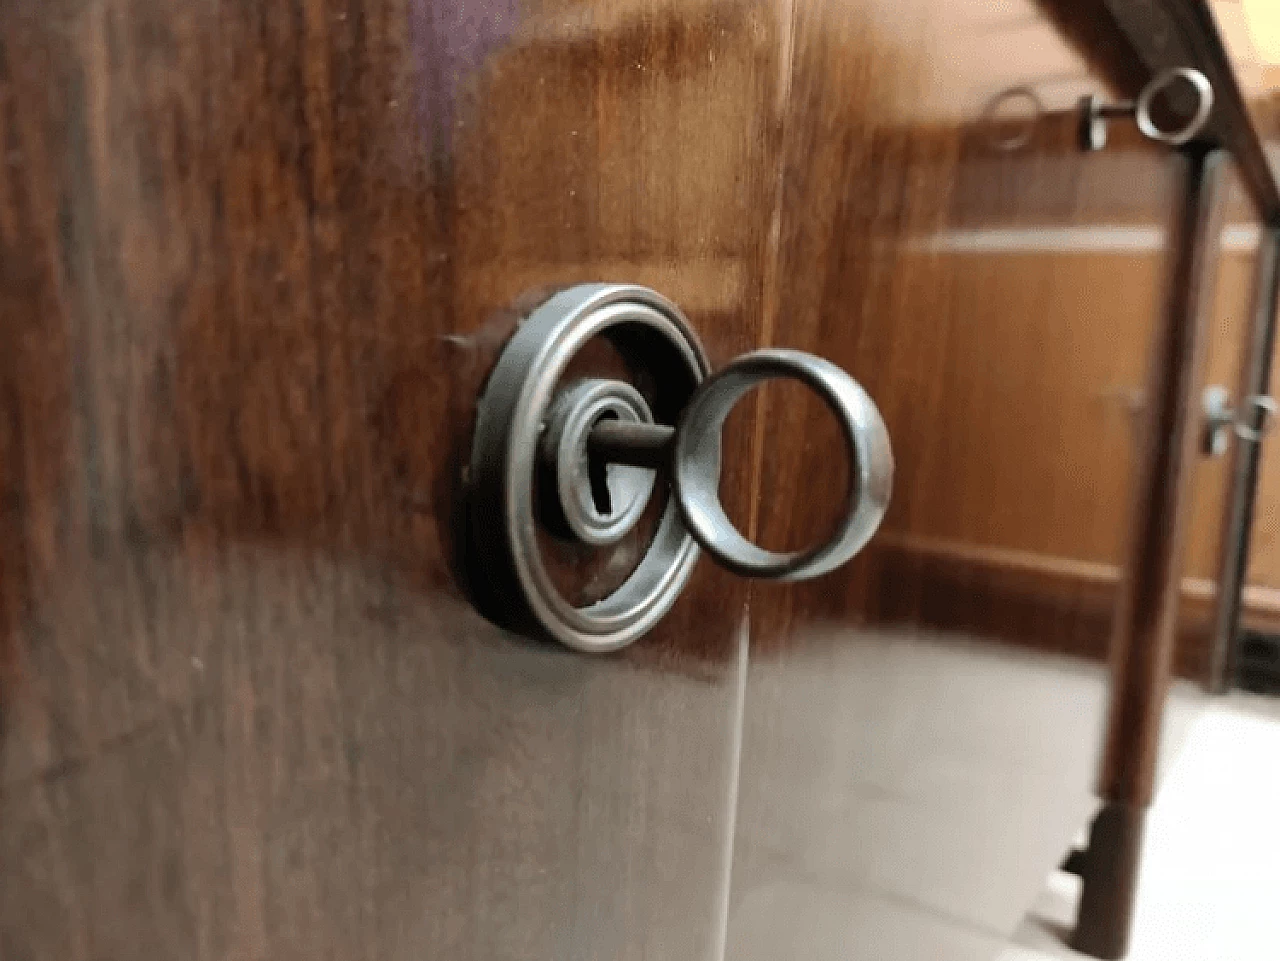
[[603, 447]]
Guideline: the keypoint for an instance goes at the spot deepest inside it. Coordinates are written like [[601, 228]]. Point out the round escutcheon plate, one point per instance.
[[509, 575]]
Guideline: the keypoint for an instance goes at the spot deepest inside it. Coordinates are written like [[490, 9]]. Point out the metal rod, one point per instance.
[[1124, 108], [1238, 528], [1147, 607], [632, 443]]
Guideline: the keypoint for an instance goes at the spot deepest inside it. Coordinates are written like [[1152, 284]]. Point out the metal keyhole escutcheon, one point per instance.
[[594, 448]]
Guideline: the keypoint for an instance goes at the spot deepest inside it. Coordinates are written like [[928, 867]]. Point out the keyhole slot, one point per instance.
[[598, 475], [598, 497]]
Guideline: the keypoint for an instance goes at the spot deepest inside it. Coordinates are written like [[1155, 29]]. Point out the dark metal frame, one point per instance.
[[1237, 537], [1131, 41], [1145, 623]]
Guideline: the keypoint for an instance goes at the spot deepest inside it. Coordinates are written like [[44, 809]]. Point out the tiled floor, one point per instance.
[[1211, 866]]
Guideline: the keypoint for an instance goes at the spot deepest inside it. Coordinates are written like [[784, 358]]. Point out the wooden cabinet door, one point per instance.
[[256, 263]]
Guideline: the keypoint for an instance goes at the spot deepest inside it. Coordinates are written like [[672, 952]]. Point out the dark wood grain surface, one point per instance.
[[255, 263]]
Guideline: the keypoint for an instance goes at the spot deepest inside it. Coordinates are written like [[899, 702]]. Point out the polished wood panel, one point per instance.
[[1047, 352], [887, 752], [1047, 413], [1035, 600], [255, 264]]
